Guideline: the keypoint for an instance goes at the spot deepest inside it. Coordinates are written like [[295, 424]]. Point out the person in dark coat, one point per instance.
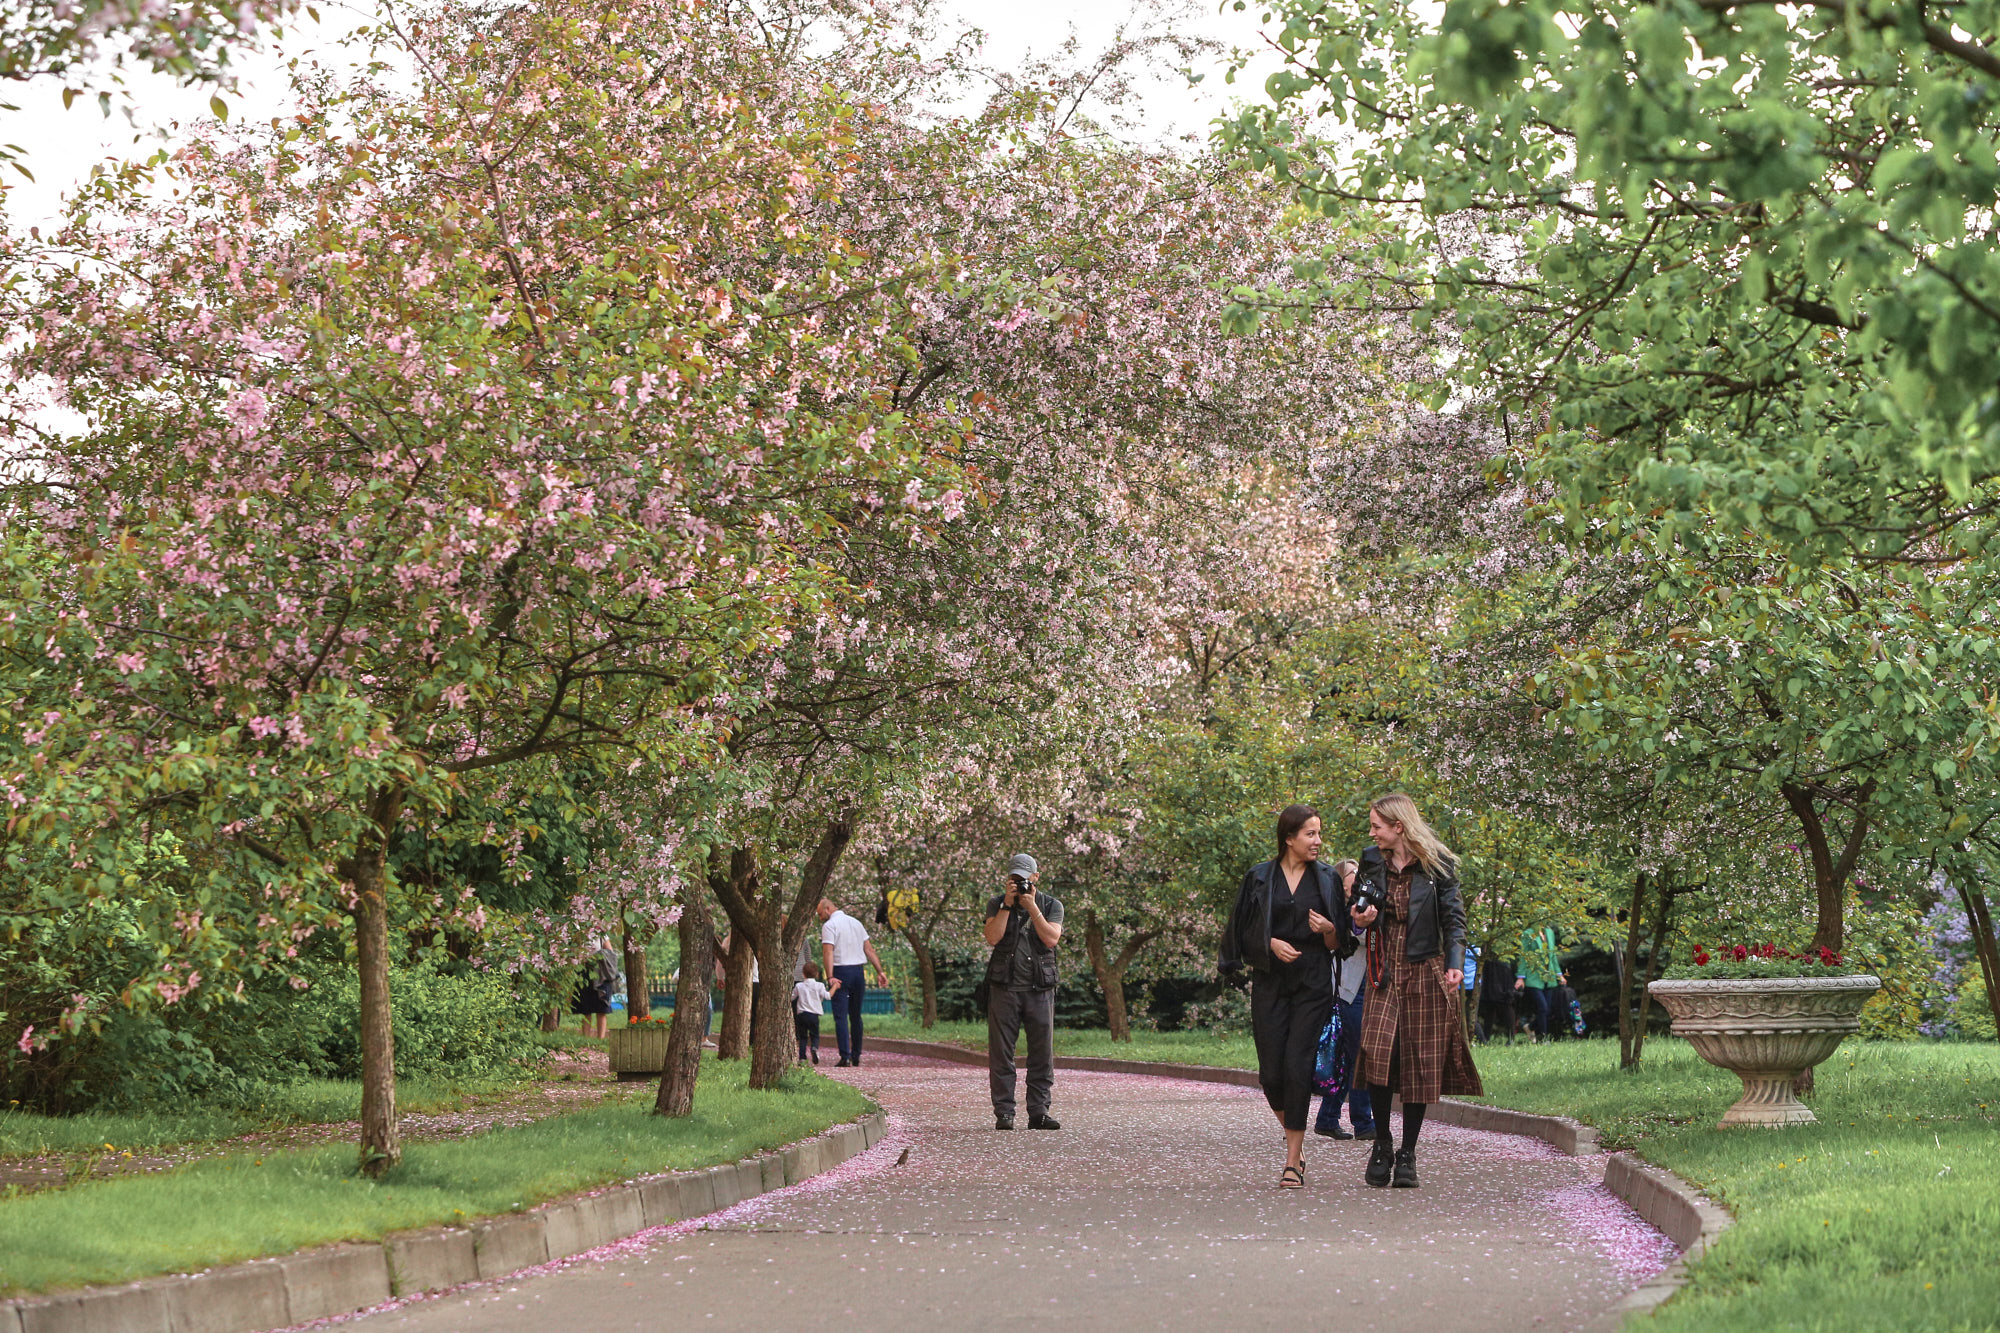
[[1290, 918], [1413, 1035], [1497, 999]]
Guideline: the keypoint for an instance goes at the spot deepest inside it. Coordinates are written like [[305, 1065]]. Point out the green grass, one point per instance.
[[240, 1207], [1191, 1048], [1883, 1216], [307, 1102]]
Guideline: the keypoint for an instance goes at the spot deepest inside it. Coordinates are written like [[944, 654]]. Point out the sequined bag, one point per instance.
[[1329, 1075]]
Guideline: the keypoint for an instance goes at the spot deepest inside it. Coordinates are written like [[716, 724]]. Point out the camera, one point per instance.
[[1366, 896]]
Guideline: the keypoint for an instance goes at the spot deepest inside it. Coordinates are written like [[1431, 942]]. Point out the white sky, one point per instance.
[[62, 145]]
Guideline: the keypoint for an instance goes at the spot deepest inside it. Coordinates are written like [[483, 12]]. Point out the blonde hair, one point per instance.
[[1400, 810]]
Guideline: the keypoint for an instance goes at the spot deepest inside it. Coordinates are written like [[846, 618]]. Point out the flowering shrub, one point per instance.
[[1734, 962]]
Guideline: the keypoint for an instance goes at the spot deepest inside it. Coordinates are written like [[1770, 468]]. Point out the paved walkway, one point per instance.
[[1154, 1206]]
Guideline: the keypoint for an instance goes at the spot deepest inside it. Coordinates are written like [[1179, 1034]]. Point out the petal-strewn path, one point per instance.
[[1154, 1206]]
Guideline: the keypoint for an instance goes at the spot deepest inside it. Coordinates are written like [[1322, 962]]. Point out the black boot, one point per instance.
[[1003, 1122], [1406, 1169], [1380, 1162]]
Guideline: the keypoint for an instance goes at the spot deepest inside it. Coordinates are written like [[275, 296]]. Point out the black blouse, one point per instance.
[[1312, 971]]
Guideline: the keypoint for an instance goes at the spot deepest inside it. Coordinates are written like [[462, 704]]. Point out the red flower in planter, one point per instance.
[[1739, 953], [1700, 956]]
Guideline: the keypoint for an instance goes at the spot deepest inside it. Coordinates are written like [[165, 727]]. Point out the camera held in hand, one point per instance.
[[1367, 896]]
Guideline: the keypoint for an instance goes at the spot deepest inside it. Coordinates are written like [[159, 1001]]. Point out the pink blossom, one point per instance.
[[248, 408]]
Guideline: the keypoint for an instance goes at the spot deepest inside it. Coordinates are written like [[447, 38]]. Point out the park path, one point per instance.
[[1155, 1205]]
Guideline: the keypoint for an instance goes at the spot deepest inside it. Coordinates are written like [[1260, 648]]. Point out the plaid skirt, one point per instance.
[[1412, 1024]]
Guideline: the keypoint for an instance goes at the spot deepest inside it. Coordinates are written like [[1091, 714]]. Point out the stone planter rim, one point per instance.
[[1738, 985]]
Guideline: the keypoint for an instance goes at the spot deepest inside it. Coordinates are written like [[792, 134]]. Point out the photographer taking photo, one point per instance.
[[1022, 926]]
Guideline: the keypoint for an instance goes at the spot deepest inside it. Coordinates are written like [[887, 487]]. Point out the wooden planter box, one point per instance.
[[638, 1052]]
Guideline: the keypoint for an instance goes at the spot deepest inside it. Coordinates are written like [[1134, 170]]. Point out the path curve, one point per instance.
[[1154, 1205]]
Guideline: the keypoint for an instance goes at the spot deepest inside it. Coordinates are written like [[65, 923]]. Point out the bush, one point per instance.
[[448, 1025], [1973, 1016], [1226, 1015]]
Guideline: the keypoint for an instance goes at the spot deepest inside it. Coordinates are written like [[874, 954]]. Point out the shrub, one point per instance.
[[1226, 1015], [448, 1025], [1973, 1016]]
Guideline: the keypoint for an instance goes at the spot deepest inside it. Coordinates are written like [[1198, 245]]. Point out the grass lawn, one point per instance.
[[1884, 1216], [226, 1209], [307, 1102], [1191, 1048]]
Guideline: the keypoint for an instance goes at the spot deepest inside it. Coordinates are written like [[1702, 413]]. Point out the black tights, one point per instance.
[[1413, 1117], [1413, 1112]]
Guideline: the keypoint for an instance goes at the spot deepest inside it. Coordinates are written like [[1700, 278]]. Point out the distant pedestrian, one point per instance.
[[1413, 1037], [1541, 976], [594, 990], [809, 999], [1350, 972], [1286, 927], [845, 948], [1023, 925], [1497, 1007]]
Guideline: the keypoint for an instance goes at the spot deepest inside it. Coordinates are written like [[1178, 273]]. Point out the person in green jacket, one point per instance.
[[1541, 972]]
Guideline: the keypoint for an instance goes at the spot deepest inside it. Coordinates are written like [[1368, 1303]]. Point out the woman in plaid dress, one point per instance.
[[1413, 1031]]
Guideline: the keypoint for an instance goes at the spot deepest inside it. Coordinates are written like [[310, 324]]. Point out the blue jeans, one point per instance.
[[847, 1009], [1359, 1109], [1540, 999]]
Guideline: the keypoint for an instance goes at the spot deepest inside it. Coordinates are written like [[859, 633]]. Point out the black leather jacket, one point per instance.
[[1246, 942], [1437, 912]]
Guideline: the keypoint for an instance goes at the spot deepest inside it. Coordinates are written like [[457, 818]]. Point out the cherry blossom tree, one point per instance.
[[427, 435]]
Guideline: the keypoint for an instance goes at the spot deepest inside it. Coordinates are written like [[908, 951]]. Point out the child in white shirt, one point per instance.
[[809, 999]]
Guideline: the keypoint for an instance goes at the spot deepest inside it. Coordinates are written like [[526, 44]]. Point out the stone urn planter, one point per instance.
[[638, 1052], [1766, 1031]]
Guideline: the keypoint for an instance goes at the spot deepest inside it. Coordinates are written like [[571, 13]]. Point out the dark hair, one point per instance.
[[1290, 820], [812, 970]]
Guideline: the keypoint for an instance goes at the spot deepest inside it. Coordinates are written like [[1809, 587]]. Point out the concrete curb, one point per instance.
[[347, 1279], [1669, 1204]]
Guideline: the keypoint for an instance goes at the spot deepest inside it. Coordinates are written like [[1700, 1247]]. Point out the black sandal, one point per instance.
[[1291, 1178]]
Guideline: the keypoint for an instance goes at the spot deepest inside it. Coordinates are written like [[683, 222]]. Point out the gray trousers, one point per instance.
[[1008, 1010]]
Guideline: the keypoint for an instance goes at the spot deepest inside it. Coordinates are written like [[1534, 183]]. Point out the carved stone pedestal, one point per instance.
[[1766, 1032]]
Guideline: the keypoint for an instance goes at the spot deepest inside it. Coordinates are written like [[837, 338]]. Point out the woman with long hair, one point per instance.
[[1288, 921], [1413, 1034]]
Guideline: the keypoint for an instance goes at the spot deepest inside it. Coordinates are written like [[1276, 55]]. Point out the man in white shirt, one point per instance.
[[844, 946]]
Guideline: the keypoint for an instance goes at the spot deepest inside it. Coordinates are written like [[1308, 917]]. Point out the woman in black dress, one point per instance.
[[1290, 918]]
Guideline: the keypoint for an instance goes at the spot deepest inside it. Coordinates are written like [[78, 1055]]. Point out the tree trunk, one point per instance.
[[732, 1039], [638, 987], [773, 1050], [1979, 916], [368, 872], [1830, 876], [1111, 970], [736, 890], [691, 992], [926, 975], [1655, 959], [1628, 1048]]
